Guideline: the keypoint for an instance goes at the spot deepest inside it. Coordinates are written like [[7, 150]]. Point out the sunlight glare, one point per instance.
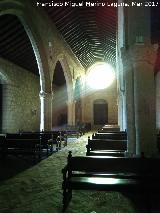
[[100, 76]]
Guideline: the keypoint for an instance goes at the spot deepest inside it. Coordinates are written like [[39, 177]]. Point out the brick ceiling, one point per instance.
[[89, 31]]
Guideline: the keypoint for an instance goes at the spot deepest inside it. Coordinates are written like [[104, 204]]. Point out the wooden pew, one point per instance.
[[31, 143], [73, 131], [110, 131], [133, 175], [158, 142], [17, 144], [46, 143], [57, 137], [106, 147], [2, 144], [110, 135], [110, 128], [62, 139], [48, 139]]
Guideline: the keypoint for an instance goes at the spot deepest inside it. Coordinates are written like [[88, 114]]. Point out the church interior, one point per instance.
[[79, 76]]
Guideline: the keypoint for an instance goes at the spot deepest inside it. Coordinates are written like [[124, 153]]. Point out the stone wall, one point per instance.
[[20, 98], [49, 47], [158, 101]]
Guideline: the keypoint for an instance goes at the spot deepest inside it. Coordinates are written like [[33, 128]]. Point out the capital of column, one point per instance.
[[120, 93], [45, 95], [52, 95], [69, 102], [42, 94]]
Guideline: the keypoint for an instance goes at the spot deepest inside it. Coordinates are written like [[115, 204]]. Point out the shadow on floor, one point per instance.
[[12, 165], [145, 202]]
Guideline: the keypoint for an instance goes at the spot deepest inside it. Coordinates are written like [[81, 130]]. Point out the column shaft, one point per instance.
[[46, 106], [130, 111], [143, 58]]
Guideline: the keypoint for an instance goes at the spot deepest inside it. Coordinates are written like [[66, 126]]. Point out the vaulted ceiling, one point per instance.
[[89, 31]]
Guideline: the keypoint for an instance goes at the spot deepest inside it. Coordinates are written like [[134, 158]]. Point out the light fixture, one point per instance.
[[100, 75]]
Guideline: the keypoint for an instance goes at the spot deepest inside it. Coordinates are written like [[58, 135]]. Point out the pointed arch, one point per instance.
[[24, 13], [61, 58], [19, 9], [67, 74]]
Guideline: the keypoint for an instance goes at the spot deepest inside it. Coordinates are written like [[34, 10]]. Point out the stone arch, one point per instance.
[[69, 86], [67, 74], [18, 9]]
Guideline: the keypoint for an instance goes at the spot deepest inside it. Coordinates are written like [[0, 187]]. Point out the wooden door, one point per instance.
[[100, 113]]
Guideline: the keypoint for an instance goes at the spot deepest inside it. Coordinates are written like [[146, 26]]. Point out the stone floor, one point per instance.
[[26, 187]]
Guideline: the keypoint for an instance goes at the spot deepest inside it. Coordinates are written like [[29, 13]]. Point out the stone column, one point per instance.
[[71, 112], [157, 100], [71, 104], [52, 98], [120, 69], [140, 95], [129, 101], [78, 111], [46, 105], [143, 59], [121, 111]]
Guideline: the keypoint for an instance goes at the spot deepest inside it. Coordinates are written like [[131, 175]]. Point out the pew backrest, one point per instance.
[[113, 165], [110, 136], [101, 144], [109, 174]]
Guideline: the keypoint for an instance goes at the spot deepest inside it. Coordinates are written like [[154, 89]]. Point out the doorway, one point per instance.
[[100, 112]]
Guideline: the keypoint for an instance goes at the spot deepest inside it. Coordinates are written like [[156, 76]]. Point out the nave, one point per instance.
[[38, 188]]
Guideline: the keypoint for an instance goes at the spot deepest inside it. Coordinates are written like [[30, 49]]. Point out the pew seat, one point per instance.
[[133, 175]]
